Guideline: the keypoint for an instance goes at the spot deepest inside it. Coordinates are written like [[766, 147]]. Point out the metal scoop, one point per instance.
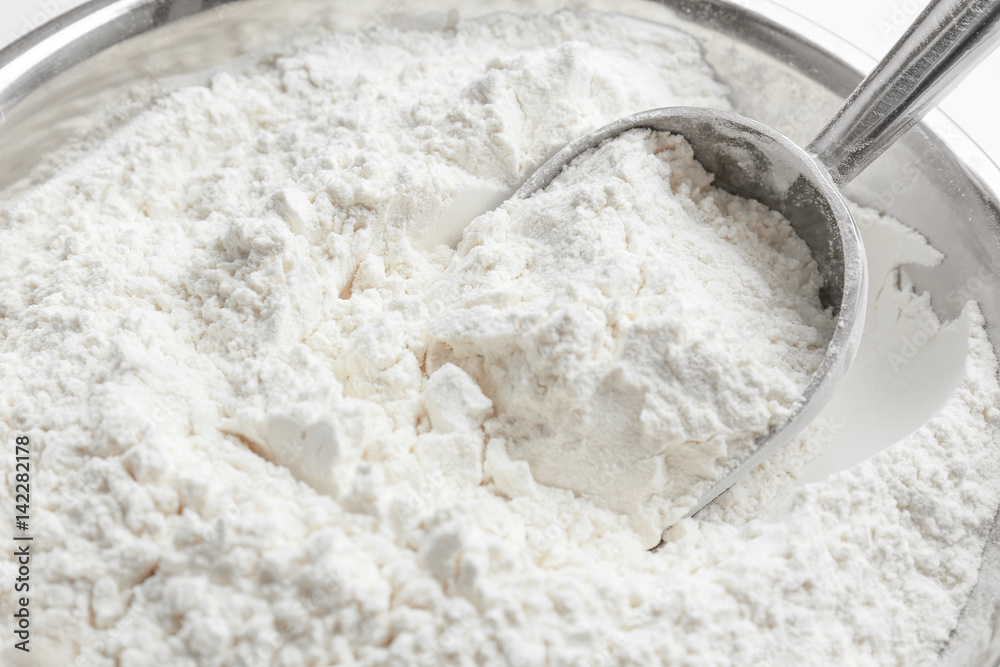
[[754, 161]]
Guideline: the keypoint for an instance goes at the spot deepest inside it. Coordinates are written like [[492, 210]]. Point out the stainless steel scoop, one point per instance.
[[754, 161]]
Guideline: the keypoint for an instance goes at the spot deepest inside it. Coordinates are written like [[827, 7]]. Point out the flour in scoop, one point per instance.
[[279, 419], [636, 328]]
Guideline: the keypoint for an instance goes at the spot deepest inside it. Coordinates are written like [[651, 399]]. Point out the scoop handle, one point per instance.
[[945, 43]]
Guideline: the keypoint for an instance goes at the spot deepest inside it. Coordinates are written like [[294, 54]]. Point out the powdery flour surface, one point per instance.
[[234, 336], [635, 328]]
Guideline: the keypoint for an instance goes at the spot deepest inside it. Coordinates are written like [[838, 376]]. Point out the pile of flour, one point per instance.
[[635, 328], [269, 425]]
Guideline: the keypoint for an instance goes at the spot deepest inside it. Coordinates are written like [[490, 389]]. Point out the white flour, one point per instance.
[[635, 327], [257, 449]]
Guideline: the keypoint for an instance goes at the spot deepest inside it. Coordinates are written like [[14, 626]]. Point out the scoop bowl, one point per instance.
[[754, 161]]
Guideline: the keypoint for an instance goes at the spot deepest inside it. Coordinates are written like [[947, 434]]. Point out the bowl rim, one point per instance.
[[70, 38]]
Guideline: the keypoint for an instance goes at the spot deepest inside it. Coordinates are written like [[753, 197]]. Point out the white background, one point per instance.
[[872, 25]]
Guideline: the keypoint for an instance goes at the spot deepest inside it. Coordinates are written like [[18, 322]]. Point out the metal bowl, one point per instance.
[[88, 70]]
